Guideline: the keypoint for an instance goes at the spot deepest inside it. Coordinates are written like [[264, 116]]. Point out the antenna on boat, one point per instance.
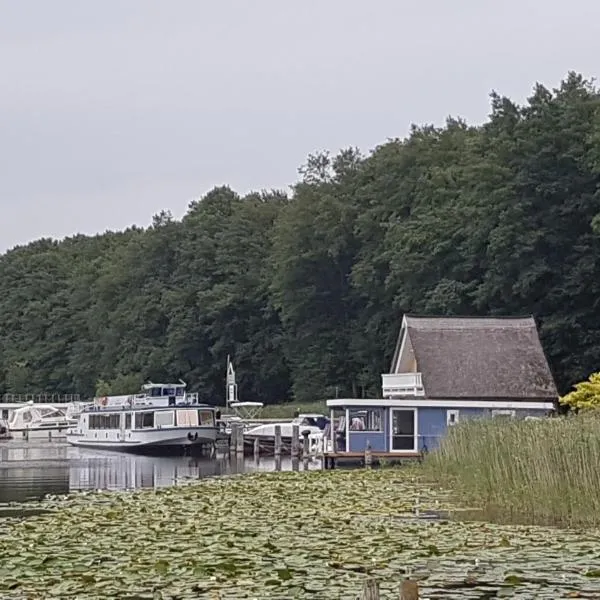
[[231, 386]]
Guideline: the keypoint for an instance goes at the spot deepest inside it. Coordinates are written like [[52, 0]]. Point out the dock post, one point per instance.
[[295, 440], [239, 440], [305, 448], [233, 437], [368, 455], [370, 590], [277, 448], [256, 448], [49, 435], [409, 590]]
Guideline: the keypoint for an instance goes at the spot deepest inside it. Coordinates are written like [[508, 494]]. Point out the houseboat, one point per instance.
[[164, 417], [444, 371]]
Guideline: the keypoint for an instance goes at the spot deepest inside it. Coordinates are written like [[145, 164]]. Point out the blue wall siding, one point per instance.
[[432, 421], [358, 441]]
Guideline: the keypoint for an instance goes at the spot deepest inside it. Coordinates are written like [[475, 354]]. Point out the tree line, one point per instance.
[[305, 290]]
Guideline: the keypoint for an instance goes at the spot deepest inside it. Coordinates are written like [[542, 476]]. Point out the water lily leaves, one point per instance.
[[291, 535]]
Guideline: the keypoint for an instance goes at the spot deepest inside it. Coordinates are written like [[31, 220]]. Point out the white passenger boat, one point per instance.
[[164, 417], [39, 421]]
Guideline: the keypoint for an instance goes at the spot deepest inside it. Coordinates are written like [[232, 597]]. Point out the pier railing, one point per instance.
[[40, 398]]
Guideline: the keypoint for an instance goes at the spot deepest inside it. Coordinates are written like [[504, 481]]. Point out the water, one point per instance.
[[30, 470]]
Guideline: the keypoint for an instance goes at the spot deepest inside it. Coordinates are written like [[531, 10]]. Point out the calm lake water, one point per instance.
[[30, 470]]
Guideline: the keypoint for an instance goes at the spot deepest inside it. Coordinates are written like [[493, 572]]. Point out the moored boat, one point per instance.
[[39, 421], [314, 423], [162, 418], [5, 433]]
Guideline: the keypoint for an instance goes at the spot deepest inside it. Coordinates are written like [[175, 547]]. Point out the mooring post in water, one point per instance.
[[295, 440], [368, 455], [305, 443], [277, 448], [370, 590], [256, 448], [239, 440], [409, 590], [232, 437]]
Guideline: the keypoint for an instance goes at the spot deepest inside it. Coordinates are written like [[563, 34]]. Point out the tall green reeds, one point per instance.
[[544, 471]]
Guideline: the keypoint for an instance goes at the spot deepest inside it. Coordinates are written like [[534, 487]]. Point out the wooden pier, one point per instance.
[[302, 447]]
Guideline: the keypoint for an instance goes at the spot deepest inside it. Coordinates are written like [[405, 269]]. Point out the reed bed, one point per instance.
[[538, 472]]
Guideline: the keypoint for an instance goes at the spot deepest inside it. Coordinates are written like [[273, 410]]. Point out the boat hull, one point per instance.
[[37, 433], [168, 440]]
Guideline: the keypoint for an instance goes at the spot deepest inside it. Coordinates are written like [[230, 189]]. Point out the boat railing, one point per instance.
[[40, 398]]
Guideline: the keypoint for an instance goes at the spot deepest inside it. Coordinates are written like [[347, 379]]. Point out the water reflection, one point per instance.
[[29, 470]]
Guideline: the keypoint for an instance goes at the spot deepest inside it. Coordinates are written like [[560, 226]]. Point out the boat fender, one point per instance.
[[190, 436], [196, 436]]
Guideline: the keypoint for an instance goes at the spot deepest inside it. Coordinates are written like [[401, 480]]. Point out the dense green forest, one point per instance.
[[306, 290]]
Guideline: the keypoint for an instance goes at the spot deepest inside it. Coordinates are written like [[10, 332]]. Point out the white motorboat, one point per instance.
[[39, 421], [162, 417], [314, 423]]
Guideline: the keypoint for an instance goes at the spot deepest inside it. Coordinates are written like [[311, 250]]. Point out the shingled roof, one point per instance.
[[485, 358]]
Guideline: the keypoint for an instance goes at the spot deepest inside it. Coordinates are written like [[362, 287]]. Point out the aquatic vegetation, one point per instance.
[[284, 535], [542, 471]]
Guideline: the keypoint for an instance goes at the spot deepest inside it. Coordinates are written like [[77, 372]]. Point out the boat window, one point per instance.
[[127, 420], [179, 392], [144, 420], [164, 418], [156, 392], [106, 421], [206, 418], [187, 418], [27, 416], [366, 419]]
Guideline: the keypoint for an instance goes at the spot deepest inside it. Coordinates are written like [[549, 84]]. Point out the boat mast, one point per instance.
[[231, 385]]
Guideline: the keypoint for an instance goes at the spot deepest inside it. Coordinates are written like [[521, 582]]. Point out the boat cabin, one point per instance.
[[446, 370]]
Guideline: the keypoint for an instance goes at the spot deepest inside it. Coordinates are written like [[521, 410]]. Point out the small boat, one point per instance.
[[314, 423], [163, 417], [39, 421], [5, 433]]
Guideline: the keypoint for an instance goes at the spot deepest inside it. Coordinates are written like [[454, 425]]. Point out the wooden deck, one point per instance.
[[332, 459]]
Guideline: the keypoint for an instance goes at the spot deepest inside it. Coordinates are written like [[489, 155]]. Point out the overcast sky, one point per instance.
[[113, 110]]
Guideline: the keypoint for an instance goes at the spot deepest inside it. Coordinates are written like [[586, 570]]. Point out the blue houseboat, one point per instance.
[[445, 370]]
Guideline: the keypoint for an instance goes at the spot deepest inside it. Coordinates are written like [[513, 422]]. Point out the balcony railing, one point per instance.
[[402, 384]]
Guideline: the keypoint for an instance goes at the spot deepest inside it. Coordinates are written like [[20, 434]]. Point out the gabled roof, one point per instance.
[[477, 357]]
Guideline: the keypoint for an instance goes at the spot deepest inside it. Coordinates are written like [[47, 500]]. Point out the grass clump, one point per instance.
[[543, 471]]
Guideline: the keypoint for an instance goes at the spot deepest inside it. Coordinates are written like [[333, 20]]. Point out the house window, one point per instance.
[[452, 417], [366, 419], [503, 413]]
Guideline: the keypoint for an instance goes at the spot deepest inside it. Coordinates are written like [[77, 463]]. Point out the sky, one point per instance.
[[112, 111]]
